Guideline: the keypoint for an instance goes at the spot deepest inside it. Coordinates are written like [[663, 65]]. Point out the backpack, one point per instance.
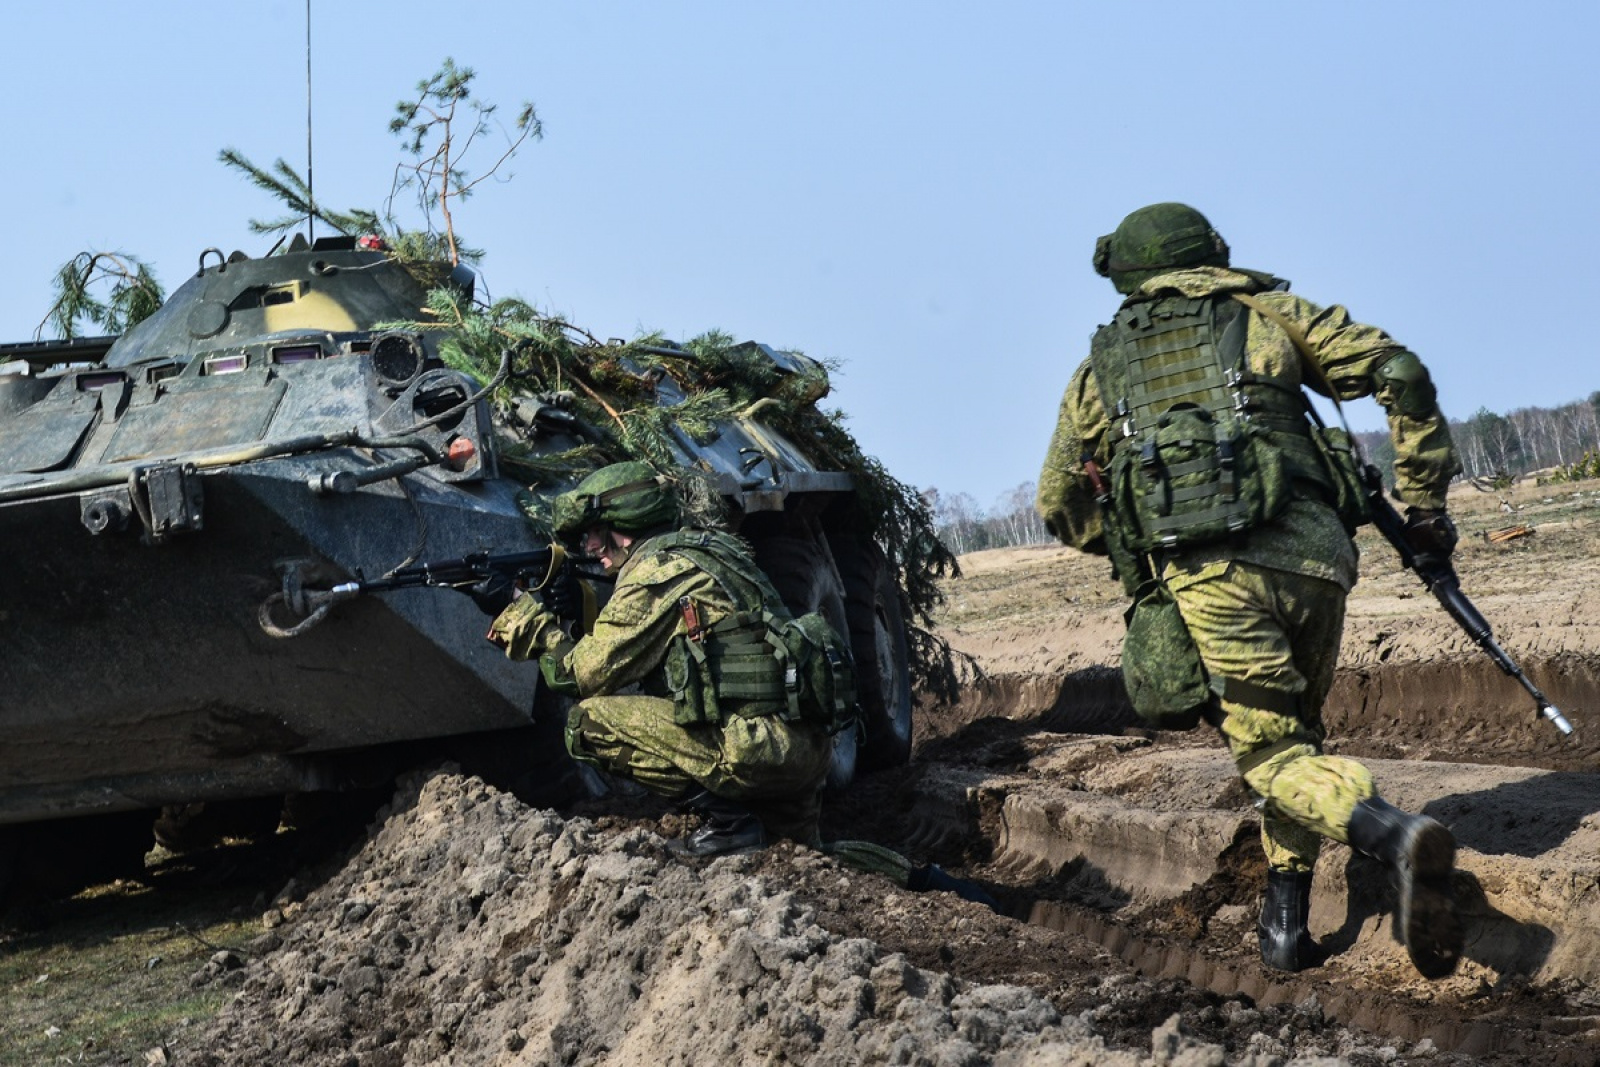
[[1190, 467], [819, 677], [799, 667]]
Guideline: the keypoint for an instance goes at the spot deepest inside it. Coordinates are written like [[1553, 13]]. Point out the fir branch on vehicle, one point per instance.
[[285, 184], [437, 139], [614, 389], [131, 294]]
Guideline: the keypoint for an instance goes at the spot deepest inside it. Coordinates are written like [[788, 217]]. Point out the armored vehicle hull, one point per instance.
[[165, 494]]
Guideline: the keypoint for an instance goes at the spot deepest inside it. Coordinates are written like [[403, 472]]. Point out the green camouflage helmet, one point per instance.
[[629, 497], [1154, 240]]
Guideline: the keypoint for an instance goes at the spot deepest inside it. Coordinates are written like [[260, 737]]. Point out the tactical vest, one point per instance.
[[758, 660], [1203, 448]]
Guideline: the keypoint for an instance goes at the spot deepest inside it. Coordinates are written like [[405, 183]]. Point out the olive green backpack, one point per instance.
[[1187, 466], [760, 656]]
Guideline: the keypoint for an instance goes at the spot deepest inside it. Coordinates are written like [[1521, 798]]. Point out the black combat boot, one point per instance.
[[1421, 853], [1286, 943], [727, 828]]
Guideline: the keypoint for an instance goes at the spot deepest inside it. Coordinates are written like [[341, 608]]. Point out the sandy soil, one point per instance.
[[470, 928]]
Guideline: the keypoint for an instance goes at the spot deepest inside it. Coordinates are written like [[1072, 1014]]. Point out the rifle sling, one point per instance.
[[1308, 362]]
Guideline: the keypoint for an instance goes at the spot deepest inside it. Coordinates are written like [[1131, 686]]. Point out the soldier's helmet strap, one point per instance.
[[596, 502]]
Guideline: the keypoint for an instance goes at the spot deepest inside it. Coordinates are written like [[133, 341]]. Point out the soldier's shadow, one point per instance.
[[1525, 818], [1492, 938]]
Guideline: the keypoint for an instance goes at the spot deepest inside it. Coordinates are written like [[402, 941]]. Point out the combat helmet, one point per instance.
[[1156, 239], [628, 497]]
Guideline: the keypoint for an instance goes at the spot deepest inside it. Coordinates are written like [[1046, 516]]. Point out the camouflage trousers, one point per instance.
[[771, 767], [1270, 640]]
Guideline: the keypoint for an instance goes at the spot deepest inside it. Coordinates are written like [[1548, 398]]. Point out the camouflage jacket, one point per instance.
[[631, 635], [1307, 538]]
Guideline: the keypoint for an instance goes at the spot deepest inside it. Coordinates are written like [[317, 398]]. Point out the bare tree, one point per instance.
[[1021, 520], [959, 521], [438, 142]]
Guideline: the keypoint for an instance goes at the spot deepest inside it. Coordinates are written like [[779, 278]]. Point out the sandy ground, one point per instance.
[[467, 927]]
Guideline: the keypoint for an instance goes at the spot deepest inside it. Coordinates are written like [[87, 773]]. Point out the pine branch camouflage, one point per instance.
[[612, 388]]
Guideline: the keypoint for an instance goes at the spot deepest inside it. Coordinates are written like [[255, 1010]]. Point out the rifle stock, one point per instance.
[[1440, 579]]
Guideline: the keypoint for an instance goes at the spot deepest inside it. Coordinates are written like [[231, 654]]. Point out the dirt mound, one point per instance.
[[473, 930]]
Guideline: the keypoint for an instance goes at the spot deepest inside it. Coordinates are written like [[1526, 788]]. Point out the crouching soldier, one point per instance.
[[712, 720]]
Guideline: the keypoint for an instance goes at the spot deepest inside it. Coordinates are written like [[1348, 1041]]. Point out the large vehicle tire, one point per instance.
[[807, 580], [8, 862], [882, 652]]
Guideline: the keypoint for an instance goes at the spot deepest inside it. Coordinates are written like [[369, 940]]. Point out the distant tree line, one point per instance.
[[965, 526], [1561, 440]]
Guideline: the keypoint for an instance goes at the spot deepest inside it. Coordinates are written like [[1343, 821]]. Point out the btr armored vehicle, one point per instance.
[[166, 497]]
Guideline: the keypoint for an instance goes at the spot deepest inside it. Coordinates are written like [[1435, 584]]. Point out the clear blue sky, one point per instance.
[[912, 188]]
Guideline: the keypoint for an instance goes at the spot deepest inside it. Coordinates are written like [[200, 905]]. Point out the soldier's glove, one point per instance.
[[493, 594], [563, 594], [1431, 532]]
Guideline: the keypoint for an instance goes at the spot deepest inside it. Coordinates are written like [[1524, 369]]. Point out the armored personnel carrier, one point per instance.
[[165, 495]]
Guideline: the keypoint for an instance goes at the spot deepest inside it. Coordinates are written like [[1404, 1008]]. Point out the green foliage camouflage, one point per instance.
[[523, 356], [129, 294]]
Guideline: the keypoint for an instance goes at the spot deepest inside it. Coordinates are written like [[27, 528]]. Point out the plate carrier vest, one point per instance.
[[1203, 448], [758, 660]]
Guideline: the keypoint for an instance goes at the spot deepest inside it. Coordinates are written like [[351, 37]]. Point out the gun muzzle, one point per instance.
[[1553, 713]]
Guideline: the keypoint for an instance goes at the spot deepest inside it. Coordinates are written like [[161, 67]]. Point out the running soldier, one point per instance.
[[1186, 450]]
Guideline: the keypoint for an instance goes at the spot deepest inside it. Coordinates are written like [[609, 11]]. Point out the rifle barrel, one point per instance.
[[468, 568], [1440, 578]]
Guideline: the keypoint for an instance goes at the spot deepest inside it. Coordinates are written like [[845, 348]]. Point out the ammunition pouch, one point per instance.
[[758, 660], [819, 675], [1161, 666], [1196, 478], [758, 663], [1346, 490], [729, 670]]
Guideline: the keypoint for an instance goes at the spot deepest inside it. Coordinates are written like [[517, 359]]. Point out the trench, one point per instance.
[[1452, 1029], [1451, 710], [1128, 878]]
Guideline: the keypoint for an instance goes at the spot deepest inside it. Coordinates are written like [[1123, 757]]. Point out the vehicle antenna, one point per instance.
[[311, 196]]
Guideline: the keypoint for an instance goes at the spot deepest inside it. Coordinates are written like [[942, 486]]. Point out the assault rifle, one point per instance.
[[534, 569], [1440, 578]]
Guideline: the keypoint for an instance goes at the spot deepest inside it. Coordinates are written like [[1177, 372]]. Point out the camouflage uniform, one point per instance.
[[1267, 610], [773, 767]]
